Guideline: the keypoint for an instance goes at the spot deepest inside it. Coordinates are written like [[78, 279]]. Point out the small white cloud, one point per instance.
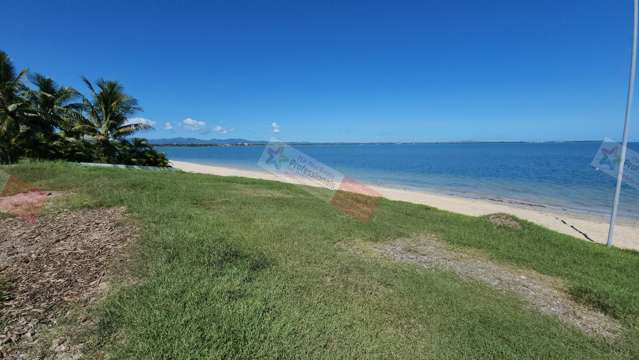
[[222, 130], [194, 125], [168, 126], [139, 120], [276, 127]]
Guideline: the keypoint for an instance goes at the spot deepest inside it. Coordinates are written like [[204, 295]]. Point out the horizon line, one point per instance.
[[259, 142]]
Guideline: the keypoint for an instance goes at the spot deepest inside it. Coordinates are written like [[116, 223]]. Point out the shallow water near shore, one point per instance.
[[557, 175]]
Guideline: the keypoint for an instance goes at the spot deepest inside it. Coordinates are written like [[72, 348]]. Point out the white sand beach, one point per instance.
[[571, 223]]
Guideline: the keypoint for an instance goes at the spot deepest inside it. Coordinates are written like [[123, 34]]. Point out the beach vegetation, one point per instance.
[[40, 119]]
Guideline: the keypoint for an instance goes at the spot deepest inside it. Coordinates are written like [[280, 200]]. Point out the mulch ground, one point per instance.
[[50, 263]]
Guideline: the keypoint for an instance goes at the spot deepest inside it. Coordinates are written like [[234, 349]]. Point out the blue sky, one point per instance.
[[344, 70]]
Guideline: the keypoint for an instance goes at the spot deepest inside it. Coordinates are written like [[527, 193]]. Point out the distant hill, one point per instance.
[[181, 141]]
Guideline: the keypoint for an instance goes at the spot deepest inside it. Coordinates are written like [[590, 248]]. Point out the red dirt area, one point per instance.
[[21, 199]]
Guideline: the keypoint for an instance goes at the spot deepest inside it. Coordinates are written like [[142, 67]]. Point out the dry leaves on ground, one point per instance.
[[56, 261]]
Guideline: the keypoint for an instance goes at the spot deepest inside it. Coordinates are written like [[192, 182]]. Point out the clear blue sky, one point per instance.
[[344, 70]]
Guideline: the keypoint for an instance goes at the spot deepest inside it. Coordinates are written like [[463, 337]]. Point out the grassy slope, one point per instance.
[[247, 267]]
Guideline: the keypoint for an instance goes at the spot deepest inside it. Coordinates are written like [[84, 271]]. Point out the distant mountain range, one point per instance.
[[203, 142]]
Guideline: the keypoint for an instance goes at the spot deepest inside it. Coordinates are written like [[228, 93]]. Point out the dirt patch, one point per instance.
[[21, 199], [26, 206], [504, 220], [541, 292], [58, 260]]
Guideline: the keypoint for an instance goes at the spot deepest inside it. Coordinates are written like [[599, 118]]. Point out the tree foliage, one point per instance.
[[44, 120]]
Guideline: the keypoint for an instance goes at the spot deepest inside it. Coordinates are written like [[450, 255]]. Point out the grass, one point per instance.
[[241, 268]]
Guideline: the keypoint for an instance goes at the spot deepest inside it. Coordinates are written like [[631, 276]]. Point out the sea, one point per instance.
[[555, 175]]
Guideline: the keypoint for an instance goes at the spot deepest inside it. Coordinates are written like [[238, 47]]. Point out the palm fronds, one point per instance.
[[47, 120]]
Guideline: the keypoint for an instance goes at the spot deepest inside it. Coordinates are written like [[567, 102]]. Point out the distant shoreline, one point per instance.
[[263, 143], [582, 226], [206, 145]]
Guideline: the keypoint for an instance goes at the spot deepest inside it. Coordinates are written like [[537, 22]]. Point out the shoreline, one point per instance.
[[518, 203], [582, 226]]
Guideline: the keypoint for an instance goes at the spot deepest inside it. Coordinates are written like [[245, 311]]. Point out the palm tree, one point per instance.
[[51, 115], [109, 111], [107, 115], [46, 120], [11, 106], [53, 105]]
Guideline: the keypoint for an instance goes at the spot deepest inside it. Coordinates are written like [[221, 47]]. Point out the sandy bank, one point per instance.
[[581, 226]]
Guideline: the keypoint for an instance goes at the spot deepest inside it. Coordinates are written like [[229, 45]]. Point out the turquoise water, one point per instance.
[[547, 174]]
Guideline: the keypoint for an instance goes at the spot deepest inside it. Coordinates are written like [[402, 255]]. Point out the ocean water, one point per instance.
[[556, 175]]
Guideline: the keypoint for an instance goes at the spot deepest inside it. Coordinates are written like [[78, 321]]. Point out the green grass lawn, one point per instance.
[[240, 268]]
